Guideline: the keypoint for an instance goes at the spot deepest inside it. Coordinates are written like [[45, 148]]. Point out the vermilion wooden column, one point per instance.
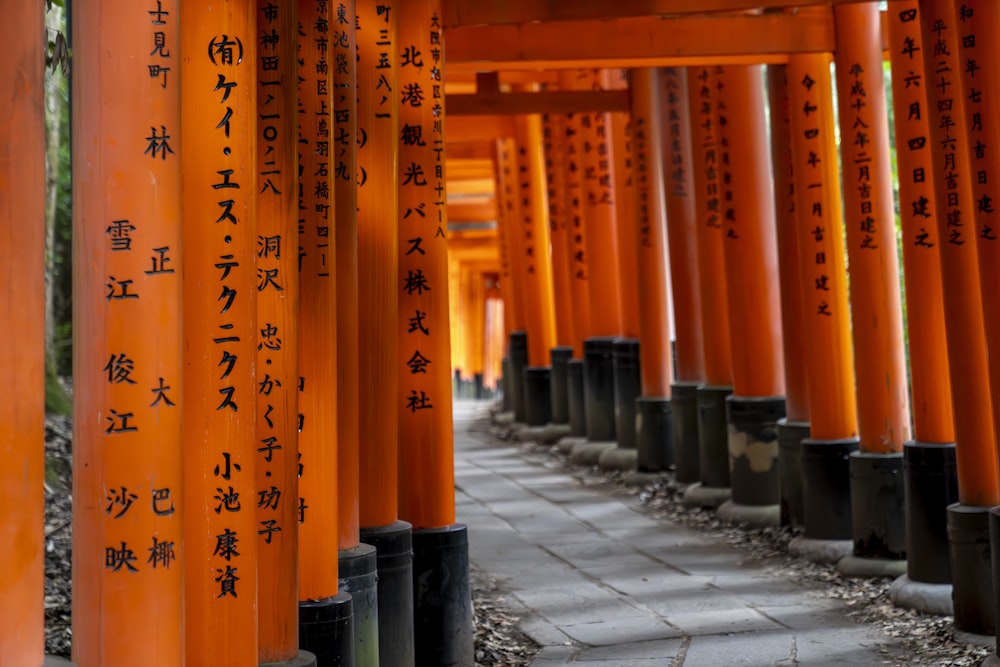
[[975, 438], [277, 332], [218, 143], [825, 318], [753, 295], [626, 224], [344, 179], [929, 470], [795, 426], [553, 131], [655, 430], [536, 259], [22, 417], [560, 234], [682, 228], [325, 615], [443, 621], [713, 448], [128, 538], [883, 402], [382, 176]]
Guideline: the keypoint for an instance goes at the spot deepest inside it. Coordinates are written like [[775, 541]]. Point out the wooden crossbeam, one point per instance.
[[480, 128], [457, 13], [555, 101], [469, 150], [647, 41]]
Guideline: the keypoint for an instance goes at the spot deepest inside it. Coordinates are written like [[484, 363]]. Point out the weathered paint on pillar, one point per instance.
[[219, 171], [706, 156], [626, 221], [682, 225], [750, 245], [536, 258], [869, 213], [575, 196], [553, 130], [381, 178], [980, 63], [974, 435], [822, 271], [277, 331], [426, 497], [787, 222], [597, 162], [343, 165], [127, 475], [316, 505], [930, 385], [655, 360]]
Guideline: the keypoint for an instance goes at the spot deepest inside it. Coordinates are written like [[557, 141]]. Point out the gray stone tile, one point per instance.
[[721, 621], [753, 648], [607, 514], [595, 550], [621, 630], [584, 603], [659, 649]]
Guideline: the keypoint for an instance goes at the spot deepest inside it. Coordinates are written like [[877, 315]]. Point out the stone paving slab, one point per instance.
[[599, 583]]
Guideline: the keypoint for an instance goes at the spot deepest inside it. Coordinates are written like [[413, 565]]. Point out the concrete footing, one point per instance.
[[699, 495], [619, 458], [923, 597], [857, 566], [820, 551], [753, 515], [971, 568], [640, 478], [567, 445], [589, 453]]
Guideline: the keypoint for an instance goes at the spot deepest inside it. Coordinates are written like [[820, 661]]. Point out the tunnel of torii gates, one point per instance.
[[645, 221]]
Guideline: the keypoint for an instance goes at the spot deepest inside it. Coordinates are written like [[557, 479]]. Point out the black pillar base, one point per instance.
[[753, 449], [537, 396], [577, 399], [684, 405], [930, 480], [326, 631], [971, 569], [559, 383], [444, 625], [394, 548], [477, 381], [877, 507], [357, 570], [790, 437], [628, 387], [506, 403], [654, 434], [995, 564], [599, 388], [826, 488], [515, 382], [713, 438]]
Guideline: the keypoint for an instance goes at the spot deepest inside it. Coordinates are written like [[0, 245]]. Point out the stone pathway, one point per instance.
[[602, 584]]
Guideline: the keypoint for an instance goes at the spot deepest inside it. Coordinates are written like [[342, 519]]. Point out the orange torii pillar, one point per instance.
[[795, 426], [277, 362], [654, 422], [326, 613], [604, 274], [512, 235], [980, 61], [757, 402], [929, 474], [493, 342], [22, 362], [502, 188], [879, 355], [682, 230], [443, 619], [128, 541], [218, 145], [823, 314], [968, 520], [382, 176], [713, 448], [560, 232], [536, 269], [627, 378], [579, 275]]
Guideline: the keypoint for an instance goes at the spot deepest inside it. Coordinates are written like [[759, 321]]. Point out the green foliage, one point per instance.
[[56, 400]]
